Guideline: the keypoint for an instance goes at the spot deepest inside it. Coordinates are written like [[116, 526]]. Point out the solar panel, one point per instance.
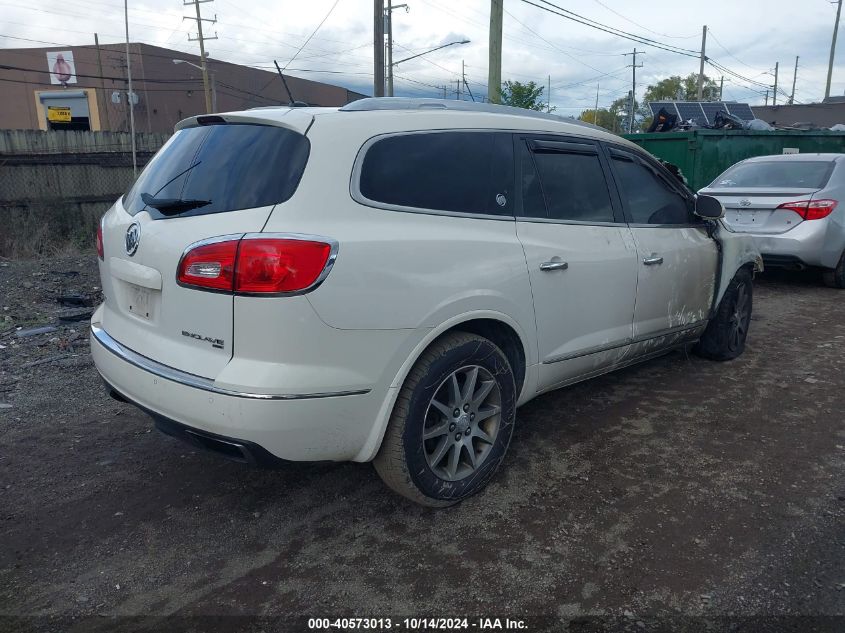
[[702, 112], [711, 109], [693, 111], [742, 110]]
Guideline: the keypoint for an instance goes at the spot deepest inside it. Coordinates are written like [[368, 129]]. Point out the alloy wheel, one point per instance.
[[462, 422]]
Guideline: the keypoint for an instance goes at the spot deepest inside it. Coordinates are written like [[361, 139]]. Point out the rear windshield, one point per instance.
[[798, 174], [221, 168]]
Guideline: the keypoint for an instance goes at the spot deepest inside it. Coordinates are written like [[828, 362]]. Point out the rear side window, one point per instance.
[[564, 185], [648, 197], [463, 172], [221, 168], [794, 173]]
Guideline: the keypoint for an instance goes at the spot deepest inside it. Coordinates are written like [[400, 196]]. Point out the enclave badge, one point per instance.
[[133, 238]]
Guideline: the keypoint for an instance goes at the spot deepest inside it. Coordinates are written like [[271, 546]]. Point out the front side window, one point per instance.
[[461, 172], [564, 185], [648, 197], [218, 168]]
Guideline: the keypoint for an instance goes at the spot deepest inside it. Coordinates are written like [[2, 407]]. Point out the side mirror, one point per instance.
[[709, 208]]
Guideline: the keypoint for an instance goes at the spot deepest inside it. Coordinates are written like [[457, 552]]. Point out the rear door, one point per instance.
[[752, 191], [677, 259], [581, 259], [206, 182]]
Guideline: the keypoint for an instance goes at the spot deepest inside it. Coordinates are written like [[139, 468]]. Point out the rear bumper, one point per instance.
[[812, 242], [302, 427], [234, 449]]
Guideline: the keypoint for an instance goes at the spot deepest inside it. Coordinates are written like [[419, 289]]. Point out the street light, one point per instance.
[[429, 51], [213, 81]]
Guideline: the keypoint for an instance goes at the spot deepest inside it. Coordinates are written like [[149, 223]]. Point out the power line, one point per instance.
[[722, 46], [313, 33], [575, 17], [673, 37]]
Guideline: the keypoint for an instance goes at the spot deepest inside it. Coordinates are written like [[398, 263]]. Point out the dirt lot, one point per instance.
[[680, 487]]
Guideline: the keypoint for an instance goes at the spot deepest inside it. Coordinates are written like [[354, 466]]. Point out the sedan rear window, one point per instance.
[[218, 168], [802, 174]]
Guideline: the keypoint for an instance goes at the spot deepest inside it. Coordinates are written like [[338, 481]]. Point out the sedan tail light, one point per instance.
[[257, 264], [811, 209]]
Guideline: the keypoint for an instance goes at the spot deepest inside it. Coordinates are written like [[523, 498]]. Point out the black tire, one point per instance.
[[724, 338], [835, 278], [403, 461]]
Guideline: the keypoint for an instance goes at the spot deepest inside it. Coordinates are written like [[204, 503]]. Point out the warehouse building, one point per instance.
[[86, 88]]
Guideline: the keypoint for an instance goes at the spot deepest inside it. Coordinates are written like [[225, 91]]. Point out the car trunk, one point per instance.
[[755, 209], [145, 307], [208, 181]]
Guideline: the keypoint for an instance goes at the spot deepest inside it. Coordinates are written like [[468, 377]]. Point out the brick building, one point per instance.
[[85, 88]]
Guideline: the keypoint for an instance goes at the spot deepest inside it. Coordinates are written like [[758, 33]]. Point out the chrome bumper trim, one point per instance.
[[198, 382]]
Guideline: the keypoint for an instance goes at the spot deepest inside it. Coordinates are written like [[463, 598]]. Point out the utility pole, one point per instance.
[[201, 39], [794, 79], [775, 90], [130, 95], [633, 100], [767, 97], [701, 65], [721, 87], [102, 82], [548, 96], [596, 111], [462, 81], [494, 73], [378, 48], [389, 16], [388, 27], [832, 50]]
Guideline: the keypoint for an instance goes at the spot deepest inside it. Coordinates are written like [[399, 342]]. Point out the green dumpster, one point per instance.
[[704, 154]]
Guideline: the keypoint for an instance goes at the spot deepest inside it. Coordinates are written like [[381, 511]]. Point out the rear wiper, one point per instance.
[[172, 205]]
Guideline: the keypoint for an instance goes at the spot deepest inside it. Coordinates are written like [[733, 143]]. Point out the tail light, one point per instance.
[[209, 265], [811, 209], [257, 264], [100, 251]]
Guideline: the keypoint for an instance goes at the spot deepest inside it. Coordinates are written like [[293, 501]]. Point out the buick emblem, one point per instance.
[[745, 202], [133, 238]]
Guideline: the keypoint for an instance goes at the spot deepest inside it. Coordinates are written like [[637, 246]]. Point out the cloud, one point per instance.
[[537, 45]]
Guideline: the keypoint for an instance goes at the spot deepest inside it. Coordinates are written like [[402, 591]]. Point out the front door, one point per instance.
[[582, 262], [677, 259]]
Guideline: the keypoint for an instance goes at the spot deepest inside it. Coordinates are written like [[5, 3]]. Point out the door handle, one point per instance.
[[555, 264], [654, 260]]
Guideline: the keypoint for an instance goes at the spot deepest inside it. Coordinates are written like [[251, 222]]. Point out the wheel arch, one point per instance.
[[498, 327]]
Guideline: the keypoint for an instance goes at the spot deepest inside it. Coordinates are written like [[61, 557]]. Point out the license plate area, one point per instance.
[[744, 217], [139, 302]]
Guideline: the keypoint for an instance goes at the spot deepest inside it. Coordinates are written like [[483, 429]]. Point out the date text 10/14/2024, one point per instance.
[[416, 624]]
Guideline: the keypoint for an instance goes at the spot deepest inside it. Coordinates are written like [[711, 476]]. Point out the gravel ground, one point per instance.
[[678, 493]]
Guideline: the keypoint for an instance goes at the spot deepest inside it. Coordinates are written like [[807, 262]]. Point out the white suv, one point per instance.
[[390, 280]]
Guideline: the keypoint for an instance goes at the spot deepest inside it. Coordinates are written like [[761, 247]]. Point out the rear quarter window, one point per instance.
[[235, 166], [461, 172]]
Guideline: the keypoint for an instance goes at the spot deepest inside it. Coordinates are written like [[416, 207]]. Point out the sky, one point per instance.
[[577, 60]]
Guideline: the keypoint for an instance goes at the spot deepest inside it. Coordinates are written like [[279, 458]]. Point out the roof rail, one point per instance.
[[404, 103]]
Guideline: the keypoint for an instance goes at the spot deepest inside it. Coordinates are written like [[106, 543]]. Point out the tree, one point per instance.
[[609, 119], [520, 95], [677, 88]]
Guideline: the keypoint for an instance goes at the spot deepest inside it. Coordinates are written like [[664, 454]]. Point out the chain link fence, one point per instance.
[[54, 186]]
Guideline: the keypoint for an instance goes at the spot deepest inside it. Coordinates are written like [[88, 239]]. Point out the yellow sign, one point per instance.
[[59, 114]]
